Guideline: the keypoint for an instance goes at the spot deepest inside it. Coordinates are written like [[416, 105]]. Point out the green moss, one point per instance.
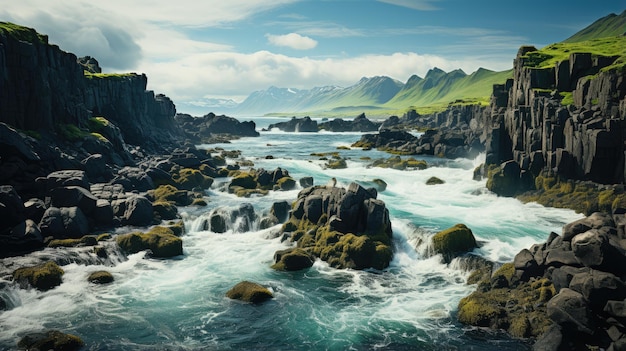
[[548, 56], [567, 98], [100, 137], [249, 292], [454, 240], [42, 277], [100, 277], [97, 124], [87, 240], [160, 240], [103, 237], [396, 162], [475, 312], [109, 76], [199, 202], [244, 180], [286, 183], [165, 210], [337, 164], [188, 179], [169, 193], [582, 197], [177, 228], [71, 132], [32, 133], [507, 270]]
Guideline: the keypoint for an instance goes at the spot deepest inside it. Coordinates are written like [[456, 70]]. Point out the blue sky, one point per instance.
[[194, 51]]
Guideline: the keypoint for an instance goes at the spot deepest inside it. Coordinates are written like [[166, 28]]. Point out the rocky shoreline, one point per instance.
[[82, 153]]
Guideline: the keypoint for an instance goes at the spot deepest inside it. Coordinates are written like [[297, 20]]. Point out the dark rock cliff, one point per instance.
[[42, 86], [530, 124]]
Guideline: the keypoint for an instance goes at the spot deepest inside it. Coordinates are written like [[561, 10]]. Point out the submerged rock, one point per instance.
[[50, 340], [100, 277], [249, 292]]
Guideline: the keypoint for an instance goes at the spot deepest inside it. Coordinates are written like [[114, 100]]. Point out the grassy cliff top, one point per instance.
[[113, 76], [551, 54], [22, 33]]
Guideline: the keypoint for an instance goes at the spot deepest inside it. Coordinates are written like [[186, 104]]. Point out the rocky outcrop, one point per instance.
[[581, 273], [348, 228], [530, 125], [358, 124], [211, 128], [297, 125], [50, 340], [59, 92]]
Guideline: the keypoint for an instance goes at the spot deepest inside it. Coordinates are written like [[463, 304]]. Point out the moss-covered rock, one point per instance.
[[160, 240], [41, 277], [336, 164], [249, 292], [397, 162], [286, 183], [293, 260], [244, 180], [434, 181], [189, 179], [87, 240], [454, 241], [169, 193], [50, 340], [100, 277], [165, 210], [199, 202]]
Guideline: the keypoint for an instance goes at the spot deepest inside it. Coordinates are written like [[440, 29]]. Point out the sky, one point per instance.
[[195, 51]]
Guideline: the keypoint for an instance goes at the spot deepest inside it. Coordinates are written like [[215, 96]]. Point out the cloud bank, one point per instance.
[[292, 40]]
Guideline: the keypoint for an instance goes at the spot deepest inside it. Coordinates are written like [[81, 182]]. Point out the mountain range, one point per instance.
[[383, 95]]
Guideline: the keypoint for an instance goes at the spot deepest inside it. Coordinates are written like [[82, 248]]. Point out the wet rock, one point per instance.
[[306, 182], [100, 277], [294, 259], [454, 241], [249, 292], [50, 340], [41, 277], [138, 211], [569, 308], [67, 178], [12, 209], [64, 222], [73, 196], [159, 240]]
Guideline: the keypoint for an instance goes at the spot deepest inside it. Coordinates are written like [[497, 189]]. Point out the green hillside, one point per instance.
[[440, 88], [610, 26]]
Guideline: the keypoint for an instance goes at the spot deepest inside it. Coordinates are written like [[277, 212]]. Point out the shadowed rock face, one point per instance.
[[58, 92]]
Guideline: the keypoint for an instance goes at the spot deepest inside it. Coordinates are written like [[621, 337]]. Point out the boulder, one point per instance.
[[138, 211], [50, 340], [293, 259], [453, 241], [23, 238], [306, 182], [593, 249], [41, 277], [65, 222], [596, 220], [280, 210], [569, 308], [160, 241], [73, 196], [67, 178], [34, 209], [249, 292], [598, 287], [103, 213], [100, 277], [96, 168]]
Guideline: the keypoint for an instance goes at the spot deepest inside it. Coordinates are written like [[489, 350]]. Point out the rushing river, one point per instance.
[[179, 304]]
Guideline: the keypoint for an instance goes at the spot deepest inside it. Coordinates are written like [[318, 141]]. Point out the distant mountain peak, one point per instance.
[[611, 25]]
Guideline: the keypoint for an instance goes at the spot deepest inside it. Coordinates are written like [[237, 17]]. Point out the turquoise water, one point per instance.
[[180, 304]]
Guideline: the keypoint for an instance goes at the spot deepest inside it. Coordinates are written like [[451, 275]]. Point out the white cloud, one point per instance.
[[292, 40], [420, 5]]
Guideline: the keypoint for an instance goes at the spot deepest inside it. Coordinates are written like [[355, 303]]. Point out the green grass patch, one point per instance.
[[22, 33], [548, 56], [97, 124], [567, 98], [112, 76], [71, 132]]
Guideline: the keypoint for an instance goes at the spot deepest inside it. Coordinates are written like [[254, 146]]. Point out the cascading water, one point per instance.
[[179, 304]]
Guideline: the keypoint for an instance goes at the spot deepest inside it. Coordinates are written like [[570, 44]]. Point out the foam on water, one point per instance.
[[180, 303]]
